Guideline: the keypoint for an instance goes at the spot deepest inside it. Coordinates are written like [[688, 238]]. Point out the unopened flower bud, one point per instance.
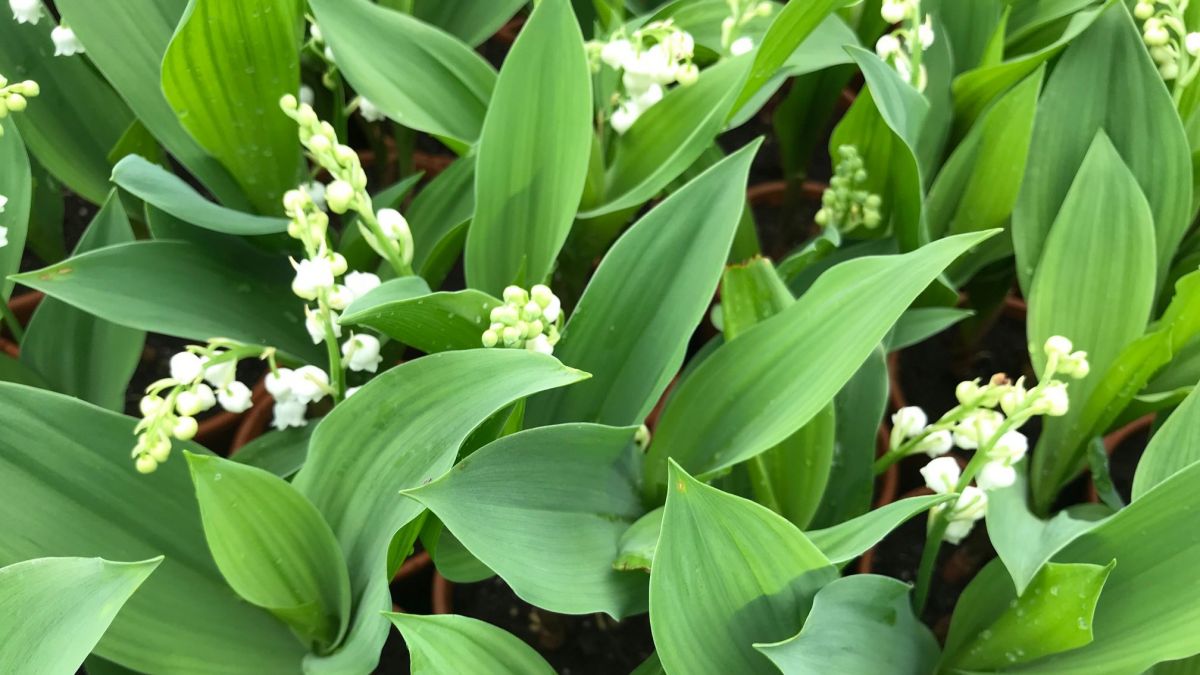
[[185, 428], [941, 475], [235, 397], [995, 476], [186, 367], [146, 464], [339, 196], [909, 421]]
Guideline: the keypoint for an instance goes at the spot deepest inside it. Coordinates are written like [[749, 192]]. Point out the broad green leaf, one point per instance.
[[71, 125], [77, 353], [1165, 343], [163, 189], [759, 389], [16, 183], [457, 644], [390, 291], [71, 459], [279, 452], [1081, 99], [439, 211], [198, 294], [635, 550], [533, 154], [969, 27], [692, 229], [434, 322], [1173, 448], [273, 547], [1189, 666], [846, 541], [728, 573], [978, 186], [1055, 614], [55, 610], [859, 624], [45, 236], [470, 21], [1031, 17], [921, 323], [1085, 272], [416, 74], [401, 430], [224, 72], [669, 137], [1150, 604], [1024, 542], [884, 124], [976, 89], [860, 405], [791, 26], [126, 40], [450, 557], [545, 509], [12, 370]]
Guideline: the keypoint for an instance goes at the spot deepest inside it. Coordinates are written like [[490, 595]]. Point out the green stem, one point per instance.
[[336, 372], [760, 483], [340, 124], [917, 49], [367, 215], [933, 546], [14, 326]]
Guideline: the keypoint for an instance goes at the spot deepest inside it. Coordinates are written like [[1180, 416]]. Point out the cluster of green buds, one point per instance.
[[845, 205], [903, 48], [986, 420], [390, 237], [526, 320], [1171, 46], [202, 376], [14, 97], [741, 13]]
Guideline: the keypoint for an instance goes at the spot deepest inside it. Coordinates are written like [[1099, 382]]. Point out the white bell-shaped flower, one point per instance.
[[540, 344], [220, 374], [1010, 447], [977, 428], [309, 384], [887, 45], [312, 277], [66, 43], [339, 194], [362, 353], [742, 45], [957, 530], [970, 505], [1053, 400], [235, 397], [909, 421], [936, 444], [186, 367], [279, 383], [370, 111], [996, 475], [361, 283], [289, 413], [942, 475], [26, 11], [617, 53]]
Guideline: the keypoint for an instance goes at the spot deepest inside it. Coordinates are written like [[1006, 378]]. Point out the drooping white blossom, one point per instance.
[[26, 11], [362, 353], [66, 43]]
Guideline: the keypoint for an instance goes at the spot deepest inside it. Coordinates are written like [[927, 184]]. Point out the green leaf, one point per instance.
[[62, 343], [279, 452], [1085, 272], [401, 430], [12, 370], [846, 541], [693, 228], [470, 21], [457, 644], [224, 72], [126, 40], [1141, 122], [789, 29], [434, 322], [1173, 448], [273, 547], [71, 125], [859, 624], [885, 123], [545, 509], [438, 211], [16, 183], [533, 154], [56, 609], [163, 189], [45, 236], [1054, 615], [750, 395], [416, 74], [978, 187], [1024, 542], [71, 459], [669, 137], [921, 323], [635, 550], [198, 294], [728, 573]]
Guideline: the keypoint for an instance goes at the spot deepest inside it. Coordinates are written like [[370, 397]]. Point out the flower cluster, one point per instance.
[[527, 320], [14, 97], [293, 390], [975, 424], [650, 59], [202, 376], [387, 232], [742, 12], [845, 205], [902, 48], [1172, 47]]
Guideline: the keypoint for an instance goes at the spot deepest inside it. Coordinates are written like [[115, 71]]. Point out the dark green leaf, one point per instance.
[[846, 541], [16, 183]]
